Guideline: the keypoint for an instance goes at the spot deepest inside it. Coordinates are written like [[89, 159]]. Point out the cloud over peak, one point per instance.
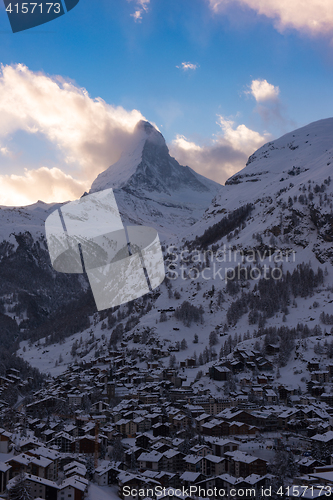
[[89, 134]]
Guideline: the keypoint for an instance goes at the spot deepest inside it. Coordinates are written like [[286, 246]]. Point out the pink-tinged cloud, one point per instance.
[[312, 16], [89, 133], [224, 155]]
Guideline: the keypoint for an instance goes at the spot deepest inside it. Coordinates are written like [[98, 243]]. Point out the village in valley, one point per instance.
[[109, 425]]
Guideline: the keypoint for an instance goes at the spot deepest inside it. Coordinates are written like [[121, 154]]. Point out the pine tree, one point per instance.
[[117, 453], [172, 361], [213, 339], [183, 345], [21, 489], [284, 467], [90, 468]]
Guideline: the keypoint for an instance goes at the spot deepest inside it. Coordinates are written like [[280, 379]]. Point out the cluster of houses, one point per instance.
[[118, 425]]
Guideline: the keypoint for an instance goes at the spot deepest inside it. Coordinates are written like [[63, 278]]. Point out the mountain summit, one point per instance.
[[152, 186], [148, 167]]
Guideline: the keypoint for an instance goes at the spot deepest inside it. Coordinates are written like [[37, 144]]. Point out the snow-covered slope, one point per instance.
[[289, 182], [15, 220], [287, 186]]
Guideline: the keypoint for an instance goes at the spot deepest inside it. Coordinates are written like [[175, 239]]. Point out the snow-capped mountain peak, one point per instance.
[[148, 167], [153, 187]]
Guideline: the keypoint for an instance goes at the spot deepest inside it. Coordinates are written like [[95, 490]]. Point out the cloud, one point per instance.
[[5, 151], [141, 7], [269, 106], [225, 155], [263, 91], [313, 16], [188, 66], [88, 133], [47, 184]]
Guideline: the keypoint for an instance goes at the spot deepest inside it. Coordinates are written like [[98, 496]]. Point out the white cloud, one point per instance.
[[182, 143], [188, 66], [312, 16], [141, 7], [269, 106], [224, 155], [47, 184], [89, 133], [5, 151], [263, 91]]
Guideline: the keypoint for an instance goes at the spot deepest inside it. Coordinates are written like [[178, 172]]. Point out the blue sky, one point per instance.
[[219, 78]]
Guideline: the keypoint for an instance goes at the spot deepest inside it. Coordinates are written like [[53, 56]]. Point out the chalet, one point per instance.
[[63, 442], [313, 365], [271, 396], [284, 393], [191, 478], [241, 464], [255, 483], [161, 429], [143, 440], [193, 463], [323, 440], [237, 415], [29, 464], [237, 366], [127, 428], [221, 446], [152, 460], [264, 364], [173, 460], [46, 403], [73, 488], [201, 450], [75, 399], [219, 373], [244, 355], [48, 434], [50, 454], [212, 465], [240, 428], [226, 482], [75, 469], [320, 376], [107, 475], [307, 465], [166, 479], [286, 415], [86, 445], [202, 419], [266, 419], [5, 440], [215, 428], [4, 476], [272, 349]]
